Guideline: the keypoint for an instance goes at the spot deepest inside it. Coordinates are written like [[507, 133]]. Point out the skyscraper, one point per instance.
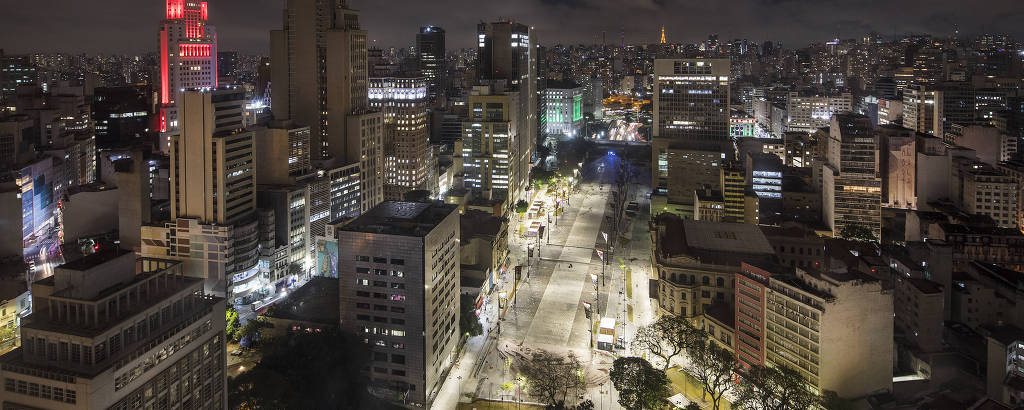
[[188, 59], [212, 196], [403, 101], [506, 53], [319, 72], [399, 291], [488, 143], [431, 52], [852, 185], [691, 128]]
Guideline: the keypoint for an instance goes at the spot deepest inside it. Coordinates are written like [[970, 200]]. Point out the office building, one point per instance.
[[830, 327], [852, 187], [404, 102], [691, 127], [563, 103], [227, 63], [506, 53], [399, 284], [809, 112], [282, 152], [15, 71], [188, 60], [922, 109], [212, 196], [110, 331], [319, 68], [733, 183], [430, 50], [212, 159], [488, 139], [121, 115], [990, 145]]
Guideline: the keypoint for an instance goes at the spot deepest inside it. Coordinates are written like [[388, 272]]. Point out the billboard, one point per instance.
[[326, 257]]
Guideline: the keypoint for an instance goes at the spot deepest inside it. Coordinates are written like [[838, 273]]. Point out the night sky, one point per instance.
[[130, 26]]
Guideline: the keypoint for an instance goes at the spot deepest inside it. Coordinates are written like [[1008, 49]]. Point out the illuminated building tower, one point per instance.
[[662, 34], [506, 53], [188, 59], [563, 101], [431, 52], [691, 129], [403, 100]]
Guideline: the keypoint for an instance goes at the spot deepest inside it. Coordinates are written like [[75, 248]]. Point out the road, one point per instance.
[[548, 311]]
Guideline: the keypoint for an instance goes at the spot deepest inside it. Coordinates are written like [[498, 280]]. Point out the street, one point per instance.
[[548, 310]]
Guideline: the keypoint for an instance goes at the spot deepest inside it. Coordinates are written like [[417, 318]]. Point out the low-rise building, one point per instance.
[[696, 261]]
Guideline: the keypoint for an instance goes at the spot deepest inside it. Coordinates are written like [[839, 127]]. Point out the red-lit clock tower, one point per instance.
[[188, 59]]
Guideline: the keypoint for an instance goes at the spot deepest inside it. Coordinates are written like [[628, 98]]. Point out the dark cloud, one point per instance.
[[130, 26]]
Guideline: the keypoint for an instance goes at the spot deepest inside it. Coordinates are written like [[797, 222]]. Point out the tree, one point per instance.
[[830, 400], [639, 384], [551, 378], [857, 232], [468, 321], [302, 370], [231, 319], [666, 338], [521, 207], [713, 367], [775, 388]]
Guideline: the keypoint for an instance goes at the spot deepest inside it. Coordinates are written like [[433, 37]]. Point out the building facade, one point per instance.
[[105, 337], [399, 285], [188, 60], [403, 102]]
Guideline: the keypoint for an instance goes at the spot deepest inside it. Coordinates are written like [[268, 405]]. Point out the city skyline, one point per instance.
[[243, 24]]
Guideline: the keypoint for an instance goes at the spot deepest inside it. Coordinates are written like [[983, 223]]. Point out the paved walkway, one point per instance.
[[561, 300]]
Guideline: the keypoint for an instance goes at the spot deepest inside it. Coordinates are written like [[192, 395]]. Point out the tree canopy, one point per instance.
[[639, 384]]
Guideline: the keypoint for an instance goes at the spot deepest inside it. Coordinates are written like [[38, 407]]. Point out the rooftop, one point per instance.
[[925, 285], [316, 301], [401, 218], [94, 260], [717, 243]]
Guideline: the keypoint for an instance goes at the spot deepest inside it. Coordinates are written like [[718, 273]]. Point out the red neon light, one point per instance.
[[163, 120], [202, 9], [164, 88], [175, 9], [194, 50]]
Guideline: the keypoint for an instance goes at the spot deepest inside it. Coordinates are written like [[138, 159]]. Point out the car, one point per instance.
[[236, 352]]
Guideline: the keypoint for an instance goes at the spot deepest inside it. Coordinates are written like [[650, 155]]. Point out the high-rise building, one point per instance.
[[691, 128], [488, 138], [188, 60], [982, 189], [319, 72], [808, 113], [110, 331], [506, 52], [404, 102], [212, 195], [212, 176], [831, 327], [430, 50], [399, 291], [15, 71], [563, 101], [227, 63], [852, 186]]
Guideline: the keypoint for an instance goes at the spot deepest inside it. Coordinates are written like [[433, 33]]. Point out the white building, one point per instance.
[[808, 113], [188, 60], [110, 331], [564, 114]]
